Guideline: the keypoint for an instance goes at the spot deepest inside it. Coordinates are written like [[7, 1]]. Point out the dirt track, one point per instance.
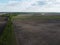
[[34, 33], [3, 23]]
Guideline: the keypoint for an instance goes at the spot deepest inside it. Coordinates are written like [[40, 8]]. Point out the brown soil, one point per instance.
[[37, 32]]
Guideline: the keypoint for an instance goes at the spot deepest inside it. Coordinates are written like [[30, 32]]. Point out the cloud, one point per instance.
[[14, 6], [30, 6]]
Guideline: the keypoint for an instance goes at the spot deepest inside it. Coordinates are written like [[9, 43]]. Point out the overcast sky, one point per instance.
[[29, 5]]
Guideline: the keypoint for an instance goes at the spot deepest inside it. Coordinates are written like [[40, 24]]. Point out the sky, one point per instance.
[[29, 5]]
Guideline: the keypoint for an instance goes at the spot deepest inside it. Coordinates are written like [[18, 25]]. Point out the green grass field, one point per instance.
[[35, 17]]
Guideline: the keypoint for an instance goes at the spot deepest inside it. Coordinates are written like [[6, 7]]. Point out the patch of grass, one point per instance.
[[8, 37]]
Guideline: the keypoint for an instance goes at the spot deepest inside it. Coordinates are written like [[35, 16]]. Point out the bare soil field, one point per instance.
[[37, 32]]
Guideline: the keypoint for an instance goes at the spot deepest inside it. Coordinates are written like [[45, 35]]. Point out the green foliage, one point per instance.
[[7, 36]]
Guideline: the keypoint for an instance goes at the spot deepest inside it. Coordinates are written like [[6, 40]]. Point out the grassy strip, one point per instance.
[[33, 17], [7, 36]]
